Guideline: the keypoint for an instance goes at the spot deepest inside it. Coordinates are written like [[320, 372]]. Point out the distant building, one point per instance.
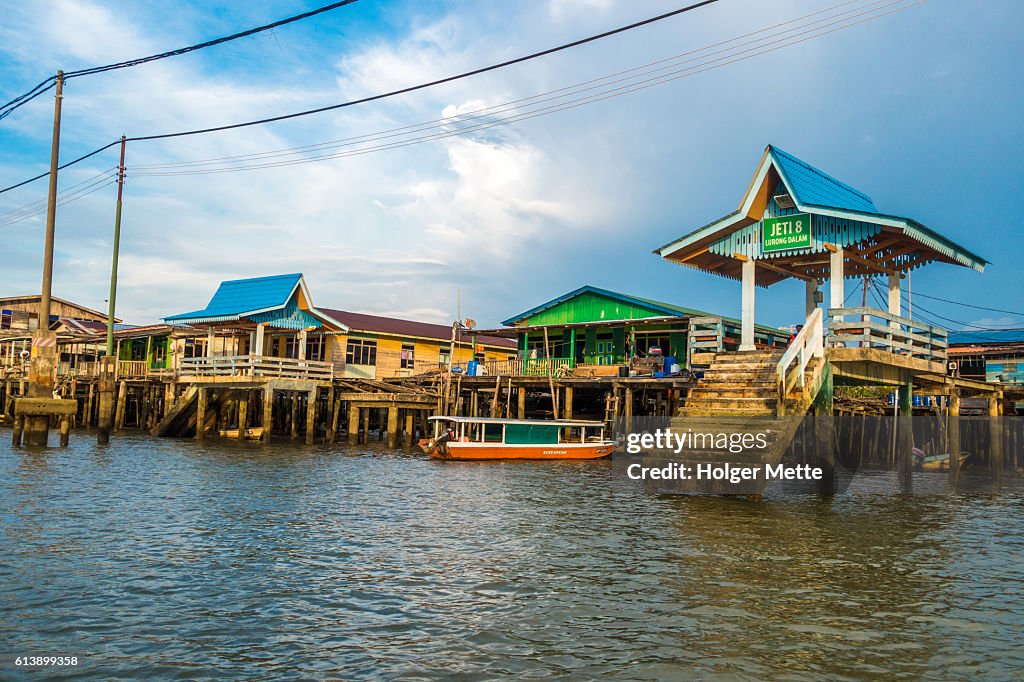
[[594, 326], [993, 356], [21, 314], [274, 317]]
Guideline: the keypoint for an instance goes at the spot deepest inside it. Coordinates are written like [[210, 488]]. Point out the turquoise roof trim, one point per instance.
[[289, 317]]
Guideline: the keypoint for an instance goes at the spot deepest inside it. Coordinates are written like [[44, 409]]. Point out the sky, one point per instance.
[[920, 109]]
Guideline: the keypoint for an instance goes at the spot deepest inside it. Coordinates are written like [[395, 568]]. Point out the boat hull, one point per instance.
[[486, 451], [939, 463]]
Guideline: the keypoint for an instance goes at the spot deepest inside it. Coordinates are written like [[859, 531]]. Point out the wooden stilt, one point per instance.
[[268, 412], [65, 430], [521, 398], [294, 413], [201, 413], [243, 414], [393, 426], [311, 403], [122, 401], [353, 425], [408, 428], [953, 435], [332, 416]]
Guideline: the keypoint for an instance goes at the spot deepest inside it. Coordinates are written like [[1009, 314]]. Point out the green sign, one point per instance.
[[786, 232]]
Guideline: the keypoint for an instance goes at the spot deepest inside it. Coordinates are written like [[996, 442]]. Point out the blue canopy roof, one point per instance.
[[844, 216], [816, 187]]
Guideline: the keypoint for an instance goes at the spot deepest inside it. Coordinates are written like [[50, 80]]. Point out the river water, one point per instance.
[[159, 559]]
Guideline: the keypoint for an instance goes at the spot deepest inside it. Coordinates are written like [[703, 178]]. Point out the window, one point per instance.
[[291, 347], [195, 348], [315, 348], [445, 356], [361, 352], [159, 353], [6, 318], [408, 356]]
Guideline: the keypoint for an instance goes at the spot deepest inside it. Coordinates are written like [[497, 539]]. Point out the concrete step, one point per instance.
[[705, 411], [766, 384], [702, 392], [722, 376], [726, 402]]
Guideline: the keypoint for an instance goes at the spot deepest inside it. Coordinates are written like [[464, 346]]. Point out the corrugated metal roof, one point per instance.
[[236, 297], [666, 308], [814, 186], [816, 192], [362, 322], [985, 336]]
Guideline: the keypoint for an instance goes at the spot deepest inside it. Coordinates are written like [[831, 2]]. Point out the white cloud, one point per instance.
[[566, 9]]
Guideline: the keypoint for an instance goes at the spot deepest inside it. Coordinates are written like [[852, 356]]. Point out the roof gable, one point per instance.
[[378, 324], [286, 296], [592, 304], [850, 216], [811, 186]]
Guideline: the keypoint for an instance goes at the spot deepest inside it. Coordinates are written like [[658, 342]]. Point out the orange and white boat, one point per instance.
[[482, 438]]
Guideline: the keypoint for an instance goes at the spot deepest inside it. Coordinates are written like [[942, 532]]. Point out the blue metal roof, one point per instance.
[[236, 297], [985, 336], [813, 186]]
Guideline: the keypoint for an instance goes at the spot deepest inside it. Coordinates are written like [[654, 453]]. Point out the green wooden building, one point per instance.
[[593, 326]]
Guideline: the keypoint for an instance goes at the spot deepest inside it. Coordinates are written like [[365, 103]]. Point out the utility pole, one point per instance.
[[51, 209], [108, 364], [117, 246], [36, 410]]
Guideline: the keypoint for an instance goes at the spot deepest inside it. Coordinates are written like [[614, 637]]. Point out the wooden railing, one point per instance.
[[529, 368], [808, 343], [873, 328], [256, 365]]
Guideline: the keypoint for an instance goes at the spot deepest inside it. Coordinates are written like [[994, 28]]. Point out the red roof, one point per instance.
[[361, 322]]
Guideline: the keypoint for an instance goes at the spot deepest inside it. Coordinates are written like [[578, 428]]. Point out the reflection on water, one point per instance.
[[161, 558]]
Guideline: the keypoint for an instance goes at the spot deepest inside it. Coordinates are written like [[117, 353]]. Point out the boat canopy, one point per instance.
[[528, 422]]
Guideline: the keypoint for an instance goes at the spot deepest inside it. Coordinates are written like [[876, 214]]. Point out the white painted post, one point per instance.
[[260, 329], [301, 340], [810, 295], [894, 297], [209, 342], [837, 297], [747, 321]]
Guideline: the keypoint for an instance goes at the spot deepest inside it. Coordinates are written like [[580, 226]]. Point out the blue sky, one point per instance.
[[919, 109]]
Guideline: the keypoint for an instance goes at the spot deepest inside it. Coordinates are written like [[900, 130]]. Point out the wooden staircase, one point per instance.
[[763, 391], [740, 384], [180, 419]]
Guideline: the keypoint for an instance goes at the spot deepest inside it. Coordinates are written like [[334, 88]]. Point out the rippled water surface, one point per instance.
[[157, 559]]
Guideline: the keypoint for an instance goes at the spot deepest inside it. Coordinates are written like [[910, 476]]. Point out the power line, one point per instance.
[[152, 169], [63, 166], [551, 95], [518, 117], [41, 203], [9, 107], [167, 169], [393, 93], [106, 181], [439, 81], [969, 305]]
